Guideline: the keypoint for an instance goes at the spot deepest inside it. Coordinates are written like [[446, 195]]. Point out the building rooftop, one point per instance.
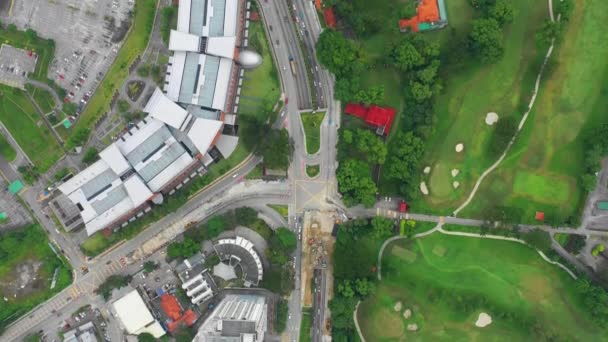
[[135, 315]]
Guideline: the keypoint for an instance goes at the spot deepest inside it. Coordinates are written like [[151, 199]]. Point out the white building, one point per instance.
[[204, 46], [135, 316], [237, 318]]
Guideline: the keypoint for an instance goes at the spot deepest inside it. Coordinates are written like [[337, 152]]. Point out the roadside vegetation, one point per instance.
[[7, 150], [42, 97], [312, 130], [526, 297], [133, 46], [313, 170], [26, 274], [306, 326]]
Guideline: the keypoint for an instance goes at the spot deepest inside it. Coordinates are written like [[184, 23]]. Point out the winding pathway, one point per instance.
[[521, 123]]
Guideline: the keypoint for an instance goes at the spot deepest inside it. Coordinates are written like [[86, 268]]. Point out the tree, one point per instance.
[[382, 227], [79, 137], [276, 148], [90, 156], [486, 40], [345, 289], [406, 56], [184, 249], [589, 182], [502, 12], [215, 226], [144, 70], [364, 287], [371, 147], [31, 34], [146, 337], [420, 91], [150, 266], [245, 215], [286, 239], [371, 95], [549, 31], [405, 157], [183, 334], [123, 106], [408, 10], [212, 260], [338, 54], [281, 316], [355, 183]]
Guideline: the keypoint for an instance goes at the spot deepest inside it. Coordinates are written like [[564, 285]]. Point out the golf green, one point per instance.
[[454, 279]]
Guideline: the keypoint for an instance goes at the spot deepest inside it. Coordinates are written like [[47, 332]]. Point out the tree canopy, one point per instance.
[[355, 183], [486, 39]]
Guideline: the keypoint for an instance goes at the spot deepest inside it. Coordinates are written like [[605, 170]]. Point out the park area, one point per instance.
[[19, 116], [476, 100], [27, 275], [435, 289], [543, 171]]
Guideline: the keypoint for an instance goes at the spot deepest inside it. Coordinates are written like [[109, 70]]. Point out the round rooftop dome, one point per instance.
[[249, 59]]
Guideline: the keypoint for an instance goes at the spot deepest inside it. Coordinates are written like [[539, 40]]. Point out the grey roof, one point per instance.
[[216, 26], [236, 328], [183, 138], [198, 16], [98, 184], [210, 71], [199, 112], [152, 144], [169, 155], [189, 78], [112, 198], [236, 255]]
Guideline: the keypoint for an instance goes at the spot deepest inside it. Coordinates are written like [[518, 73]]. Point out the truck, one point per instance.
[[292, 64], [402, 206]]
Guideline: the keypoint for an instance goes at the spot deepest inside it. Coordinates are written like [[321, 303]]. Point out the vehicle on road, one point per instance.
[[292, 64]]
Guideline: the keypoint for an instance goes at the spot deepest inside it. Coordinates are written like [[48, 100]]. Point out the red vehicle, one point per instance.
[[402, 206]]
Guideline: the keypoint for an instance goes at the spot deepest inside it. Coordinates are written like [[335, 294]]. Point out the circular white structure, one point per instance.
[[249, 59], [459, 147], [491, 118], [427, 170]]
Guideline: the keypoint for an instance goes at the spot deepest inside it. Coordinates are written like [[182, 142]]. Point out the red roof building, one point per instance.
[[173, 310], [379, 117], [330, 18]]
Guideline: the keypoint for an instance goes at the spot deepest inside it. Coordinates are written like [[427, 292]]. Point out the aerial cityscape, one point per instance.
[[303, 170]]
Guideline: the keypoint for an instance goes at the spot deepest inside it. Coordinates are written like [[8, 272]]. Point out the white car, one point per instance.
[[234, 175]]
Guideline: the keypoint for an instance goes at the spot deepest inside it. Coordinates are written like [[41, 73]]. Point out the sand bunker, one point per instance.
[[427, 170], [491, 118], [407, 313], [397, 306], [459, 147], [423, 188], [455, 172], [484, 320], [456, 184], [412, 327]]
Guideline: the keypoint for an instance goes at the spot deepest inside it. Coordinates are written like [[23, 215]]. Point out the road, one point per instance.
[[319, 305]]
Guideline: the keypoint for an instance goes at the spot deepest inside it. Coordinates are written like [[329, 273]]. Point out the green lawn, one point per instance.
[[542, 171], [471, 91], [12, 256], [446, 286], [312, 170], [283, 210], [133, 46], [312, 130], [42, 97], [20, 117], [261, 89], [6, 150], [305, 326]]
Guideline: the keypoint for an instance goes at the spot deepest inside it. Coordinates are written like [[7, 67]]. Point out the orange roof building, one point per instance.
[[430, 14], [173, 310]]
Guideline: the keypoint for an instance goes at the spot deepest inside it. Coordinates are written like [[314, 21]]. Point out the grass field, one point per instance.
[[446, 287], [133, 46], [312, 130], [6, 150], [17, 113], [313, 170], [261, 87], [16, 262], [461, 109], [42, 97], [542, 170], [281, 209], [306, 326]]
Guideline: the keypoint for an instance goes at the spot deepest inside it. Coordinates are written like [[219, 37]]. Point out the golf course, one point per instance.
[[435, 289], [543, 170], [471, 91]]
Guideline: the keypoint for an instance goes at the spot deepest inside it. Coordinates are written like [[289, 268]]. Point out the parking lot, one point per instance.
[[15, 64], [16, 214], [87, 35]]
